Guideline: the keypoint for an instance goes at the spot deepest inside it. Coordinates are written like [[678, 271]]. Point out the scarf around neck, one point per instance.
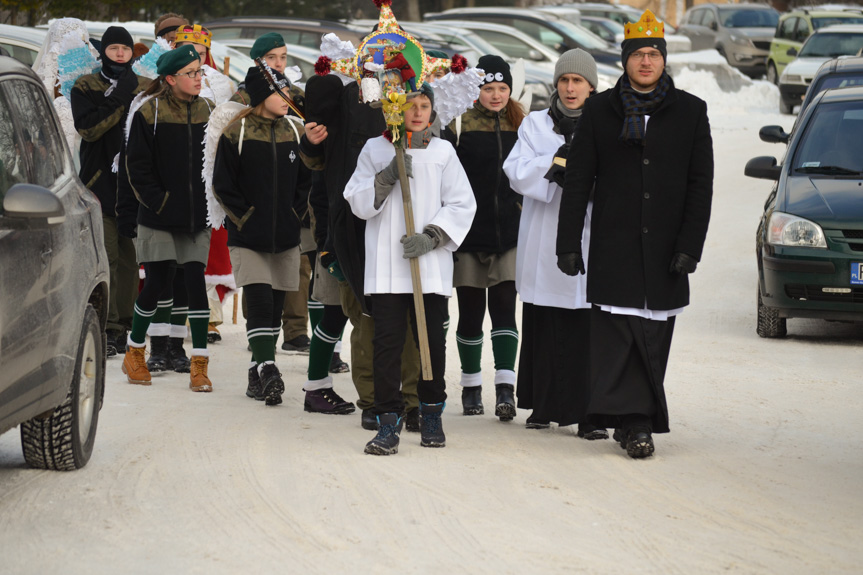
[[637, 105]]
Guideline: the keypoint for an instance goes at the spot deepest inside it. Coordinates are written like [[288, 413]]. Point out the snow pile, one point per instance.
[[758, 96]]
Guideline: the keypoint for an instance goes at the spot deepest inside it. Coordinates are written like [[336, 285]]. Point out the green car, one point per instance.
[[795, 27]]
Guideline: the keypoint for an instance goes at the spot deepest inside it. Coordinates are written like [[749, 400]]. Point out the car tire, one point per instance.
[[785, 107], [772, 76], [770, 325], [64, 440]]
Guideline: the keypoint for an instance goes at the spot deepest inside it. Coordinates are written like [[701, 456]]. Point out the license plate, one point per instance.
[[856, 273]]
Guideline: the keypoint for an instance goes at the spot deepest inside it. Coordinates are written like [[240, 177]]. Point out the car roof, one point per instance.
[[849, 94], [840, 28], [273, 20], [821, 13], [735, 6], [34, 35], [9, 65], [524, 12]]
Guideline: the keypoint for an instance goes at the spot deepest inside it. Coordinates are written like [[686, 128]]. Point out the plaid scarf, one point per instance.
[[637, 105]]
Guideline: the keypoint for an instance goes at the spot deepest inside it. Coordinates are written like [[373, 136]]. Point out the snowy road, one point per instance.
[[760, 474]]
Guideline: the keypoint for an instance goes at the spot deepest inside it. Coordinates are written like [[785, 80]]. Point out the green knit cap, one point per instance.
[[175, 60], [266, 43]]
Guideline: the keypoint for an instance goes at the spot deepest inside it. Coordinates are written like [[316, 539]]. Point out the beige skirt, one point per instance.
[[154, 245], [326, 289], [281, 270], [483, 269]]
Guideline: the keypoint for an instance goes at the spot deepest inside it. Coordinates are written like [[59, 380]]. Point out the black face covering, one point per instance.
[[115, 35]]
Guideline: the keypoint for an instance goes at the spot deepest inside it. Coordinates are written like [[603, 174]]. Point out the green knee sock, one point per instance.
[[261, 342], [179, 315], [316, 312], [163, 311], [199, 319], [504, 346], [469, 352], [321, 353], [141, 320]]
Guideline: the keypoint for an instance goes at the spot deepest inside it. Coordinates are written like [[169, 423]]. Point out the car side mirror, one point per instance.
[[773, 135], [33, 202], [619, 37], [791, 52], [763, 167], [714, 26], [535, 55]]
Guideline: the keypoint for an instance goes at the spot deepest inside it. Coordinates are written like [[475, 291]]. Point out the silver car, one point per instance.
[[54, 277]]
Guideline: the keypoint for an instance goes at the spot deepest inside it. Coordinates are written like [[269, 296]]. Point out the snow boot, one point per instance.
[[177, 359], [116, 341], [412, 419], [591, 432], [504, 405], [158, 360], [535, 423], [471, 400], [386, 442], [431, 428], [254, 388], [327, 401], [272, 386], [337, 365], [198, 380], [369, 421], [135, 366], [213, 334], [639, 443]]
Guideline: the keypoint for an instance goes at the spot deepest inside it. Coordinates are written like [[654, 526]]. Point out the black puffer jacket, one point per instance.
[[164, 162], [484, 143]]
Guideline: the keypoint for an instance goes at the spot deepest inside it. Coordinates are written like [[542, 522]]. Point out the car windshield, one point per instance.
[[584, 37], [838, 81], [832, 44], [825, 21], [832, 141], [737, 18]]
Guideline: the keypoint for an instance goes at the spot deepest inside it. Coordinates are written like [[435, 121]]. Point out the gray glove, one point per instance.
[[390, 174], [418, 245]]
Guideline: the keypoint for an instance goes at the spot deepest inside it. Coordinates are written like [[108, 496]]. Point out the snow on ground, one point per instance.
[[760, 474]]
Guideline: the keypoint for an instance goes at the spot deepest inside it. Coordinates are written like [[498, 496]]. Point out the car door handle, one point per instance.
[[46, 257]]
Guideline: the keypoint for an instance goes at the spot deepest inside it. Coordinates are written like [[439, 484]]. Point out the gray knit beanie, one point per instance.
[[576, 61]]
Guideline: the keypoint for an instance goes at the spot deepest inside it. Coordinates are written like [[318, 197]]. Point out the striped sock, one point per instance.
[[261, 342], [199, 319], [504, 346], [140, 322], [321, 353], [469, 352], [316, 312]]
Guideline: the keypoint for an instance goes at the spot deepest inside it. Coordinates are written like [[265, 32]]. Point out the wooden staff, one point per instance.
[[227, 69], [422, 329]]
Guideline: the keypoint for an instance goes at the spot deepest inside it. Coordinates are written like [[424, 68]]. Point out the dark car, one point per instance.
[[299, 31], [54, 278], [836, 73], [809, 245]]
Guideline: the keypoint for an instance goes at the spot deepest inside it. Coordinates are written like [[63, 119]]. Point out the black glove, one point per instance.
[[127, 229], [682, 264], [571, 264], [127, 81], [562, 151], [567, 128], [557, 173]]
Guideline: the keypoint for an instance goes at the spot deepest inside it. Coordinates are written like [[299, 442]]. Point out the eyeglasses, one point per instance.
[[192, 75], [638, 56]]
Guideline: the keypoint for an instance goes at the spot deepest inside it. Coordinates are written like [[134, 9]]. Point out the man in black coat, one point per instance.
[[643, 151]]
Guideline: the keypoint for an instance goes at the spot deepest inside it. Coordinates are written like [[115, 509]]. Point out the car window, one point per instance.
[[741, 18], [311, 39], [825, 21], [586, 40], [228, 32], [832, 44], [39, 131], [509, 45], [833, 137], [709, 18], [802, 31], [694, 17], [307, 68], [786, 29], [20, 53], [546, 36], [13, 165]]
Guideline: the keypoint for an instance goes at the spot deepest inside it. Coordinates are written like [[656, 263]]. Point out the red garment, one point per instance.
[[218, 272], [398, 61]]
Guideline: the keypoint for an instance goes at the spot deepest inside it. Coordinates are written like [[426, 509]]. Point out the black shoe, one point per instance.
[[504, 405], [158, 360], [386, 442], [254, 388], [327, 401], [213, 334], [431, 429], [592, 433], [299, 343], [116, 342], [639, 443], [272, 386], [412, 419], [533, 423], [471, 400], [337, 365], [620, 437], [368, 420], [177, 359]]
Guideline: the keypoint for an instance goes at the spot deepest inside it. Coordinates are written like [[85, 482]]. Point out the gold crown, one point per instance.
[[647, 27], [195, 34]]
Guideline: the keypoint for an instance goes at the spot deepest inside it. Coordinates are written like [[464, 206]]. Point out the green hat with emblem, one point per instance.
[[266, 43], [175, 60]]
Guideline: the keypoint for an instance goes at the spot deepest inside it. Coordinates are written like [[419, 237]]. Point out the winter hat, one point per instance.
[[117, 35], [260, 87], [437, 54], [322, 98], [169, 24], [266, 43], [496, 70], [426, 90], [170, 62], [576, 61], [648, 32]]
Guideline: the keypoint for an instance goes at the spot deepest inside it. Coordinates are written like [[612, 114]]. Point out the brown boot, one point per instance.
[[199, 380], [135, 366]]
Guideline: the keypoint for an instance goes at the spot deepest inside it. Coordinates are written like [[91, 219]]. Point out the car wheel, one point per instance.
[[769, 322], [772, 76], [722, 53], [64, 440], [785, 107]]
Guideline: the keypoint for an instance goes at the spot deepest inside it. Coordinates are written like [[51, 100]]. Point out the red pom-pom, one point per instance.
[[322, 66], [459, 63], [388, 135], [380, 3]]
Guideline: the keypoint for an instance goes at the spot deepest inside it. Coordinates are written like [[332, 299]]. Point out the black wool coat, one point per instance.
[[649, 201]]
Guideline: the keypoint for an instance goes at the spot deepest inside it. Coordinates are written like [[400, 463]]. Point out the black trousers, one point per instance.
[[391, 322]]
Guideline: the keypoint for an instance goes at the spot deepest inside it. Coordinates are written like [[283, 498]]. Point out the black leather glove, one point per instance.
[[566, 126], [127, 229], [557, 173], [562, 151], [571, 264], [682, 264], [127, 81]]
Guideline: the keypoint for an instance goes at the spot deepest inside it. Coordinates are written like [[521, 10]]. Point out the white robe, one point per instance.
[[441, 195], [537, 277]]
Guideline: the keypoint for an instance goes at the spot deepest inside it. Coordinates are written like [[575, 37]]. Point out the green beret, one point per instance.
[[436, 54], [266, 43], [175, 60]]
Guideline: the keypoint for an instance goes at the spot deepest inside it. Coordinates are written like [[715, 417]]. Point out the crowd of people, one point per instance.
[[590, 218]]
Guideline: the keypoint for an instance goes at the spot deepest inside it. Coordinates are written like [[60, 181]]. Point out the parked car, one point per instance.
[[809, 244], [613, 32], [301, 56], [549, 29], [297, 31], [22, 43], [740, 32], [54, 281], [793, 30], [842, 72], [823, 45]]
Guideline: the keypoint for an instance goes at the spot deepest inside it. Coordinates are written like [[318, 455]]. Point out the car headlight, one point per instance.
[[792, 79], [787, 230], [742, 40]]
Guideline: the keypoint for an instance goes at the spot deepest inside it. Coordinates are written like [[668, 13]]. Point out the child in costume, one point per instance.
[[443, 208], [164, 162]]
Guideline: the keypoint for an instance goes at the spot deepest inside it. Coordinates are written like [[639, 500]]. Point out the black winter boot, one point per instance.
[[412, 419], [386, 442], [254, 388], [177, 359], [504, 405], [158, 360], [471, 400], [272, 386], [431, 427], [369, 421]]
